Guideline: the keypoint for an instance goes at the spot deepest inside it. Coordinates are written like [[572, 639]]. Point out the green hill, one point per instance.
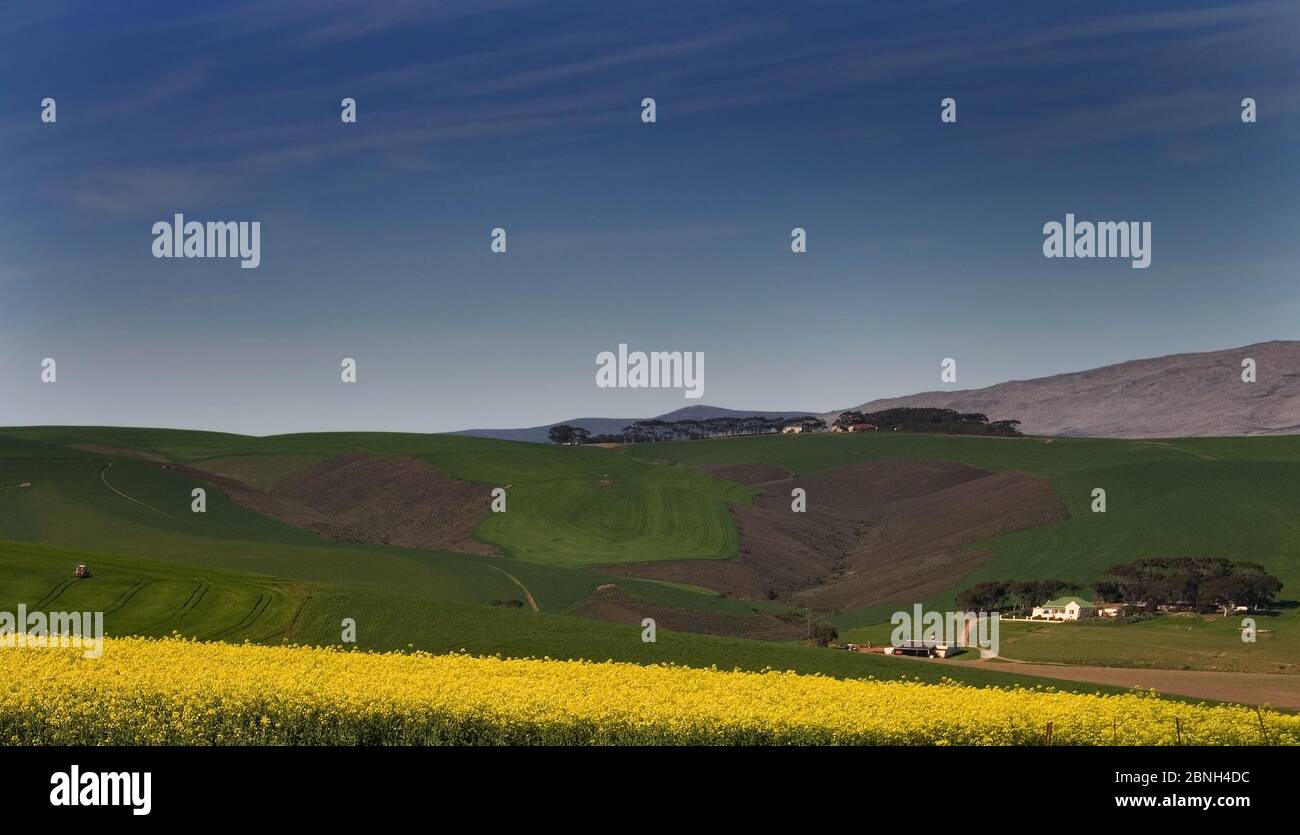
[[567, 506], [154, 597], [236, 574], [1232, 497]]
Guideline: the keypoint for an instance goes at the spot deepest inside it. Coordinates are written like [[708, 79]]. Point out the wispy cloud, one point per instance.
[[23, 15], [1178, 114], [583, 84], [134, 189], [326, 22], [171, 86]]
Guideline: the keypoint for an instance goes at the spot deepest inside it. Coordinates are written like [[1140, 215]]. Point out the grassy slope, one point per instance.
[[1229, 497], [155, 597], [149, 597], [1234, 497], [71, 505], [68, 505], [1181, 641], [810, 453], [558, 512]]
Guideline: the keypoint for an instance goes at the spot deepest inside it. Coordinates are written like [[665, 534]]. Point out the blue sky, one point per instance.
[[924, 239]]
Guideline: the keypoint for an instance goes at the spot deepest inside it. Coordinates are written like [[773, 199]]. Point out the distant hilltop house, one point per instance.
[[1065, 608], [855, 427], [805, 425]]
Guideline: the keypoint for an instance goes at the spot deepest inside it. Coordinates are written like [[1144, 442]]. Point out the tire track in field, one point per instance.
[[193, 600], [103, 476], [293, 621], [259, 608], [126, 596], [53, 595]]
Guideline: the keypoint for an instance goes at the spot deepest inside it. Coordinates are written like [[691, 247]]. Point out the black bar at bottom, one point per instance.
[[994, 785]]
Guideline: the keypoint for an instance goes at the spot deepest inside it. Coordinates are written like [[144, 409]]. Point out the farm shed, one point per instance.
[[923, 649]]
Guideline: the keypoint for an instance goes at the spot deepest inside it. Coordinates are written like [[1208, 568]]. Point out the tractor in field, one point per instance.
[[82, 572]]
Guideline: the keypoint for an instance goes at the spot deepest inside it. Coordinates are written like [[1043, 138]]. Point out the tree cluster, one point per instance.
[[565, 434], [1010, 595], [1202, 583], [946, 421], [651, 431]]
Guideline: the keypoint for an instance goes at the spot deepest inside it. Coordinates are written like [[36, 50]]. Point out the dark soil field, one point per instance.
[[874, 531], [359, 497]]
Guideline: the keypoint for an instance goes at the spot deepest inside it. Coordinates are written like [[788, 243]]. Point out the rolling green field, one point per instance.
[[156, 598], [150, 597], [567, 505], [1235, 497], [70, 505], [1182, 641], [1231, 497], [234, 574]]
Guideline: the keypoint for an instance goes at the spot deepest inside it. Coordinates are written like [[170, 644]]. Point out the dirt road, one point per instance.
[[1248, 688], [531, 602]]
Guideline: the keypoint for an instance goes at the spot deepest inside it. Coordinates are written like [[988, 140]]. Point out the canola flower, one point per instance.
[[179, 692]]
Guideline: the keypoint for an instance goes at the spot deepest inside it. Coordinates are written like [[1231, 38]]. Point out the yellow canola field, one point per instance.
[[179, 692]]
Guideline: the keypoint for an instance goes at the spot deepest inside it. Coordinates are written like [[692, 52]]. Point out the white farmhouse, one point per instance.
[[1066, 608]]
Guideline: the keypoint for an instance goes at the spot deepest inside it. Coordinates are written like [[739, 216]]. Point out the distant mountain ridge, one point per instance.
[[1173, 396], [612, 426], [1179, 395]]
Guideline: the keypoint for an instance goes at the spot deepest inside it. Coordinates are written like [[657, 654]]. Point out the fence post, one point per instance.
[[1178, 729], [1048, 740], [1262, 729]]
